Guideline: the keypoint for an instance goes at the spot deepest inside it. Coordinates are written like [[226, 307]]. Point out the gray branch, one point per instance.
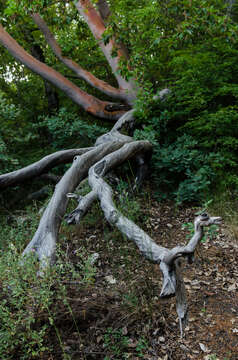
[[168, 259], [84, 203], [45, 238], [39, 167], [110, 150]]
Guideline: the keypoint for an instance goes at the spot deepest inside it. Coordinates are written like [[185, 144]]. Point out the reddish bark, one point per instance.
[[96, 25], [88, 102], [82, 73]]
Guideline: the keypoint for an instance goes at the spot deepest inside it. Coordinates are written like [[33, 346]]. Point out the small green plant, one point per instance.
[[126, 204], [116, 343], [26, 298], [210, 232], [86, 265], [212, 357], [142, 345], [131, 300], [22, 296]]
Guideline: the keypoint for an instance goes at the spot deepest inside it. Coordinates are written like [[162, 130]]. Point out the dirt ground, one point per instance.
[[120, 316]]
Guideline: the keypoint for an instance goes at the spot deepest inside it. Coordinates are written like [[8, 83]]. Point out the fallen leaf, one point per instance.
[[110, 279], [203, 348], [232, 287]]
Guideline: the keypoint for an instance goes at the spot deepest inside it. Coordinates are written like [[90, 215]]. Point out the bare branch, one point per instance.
[[88, 102], [84, 203], [45, 238], [96, 25], [127, 118], [82, 73], [199, 223], [40, 167], [146, 245]]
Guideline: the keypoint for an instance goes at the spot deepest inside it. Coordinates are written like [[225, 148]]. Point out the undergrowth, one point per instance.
[[109, 301], [35, 310]]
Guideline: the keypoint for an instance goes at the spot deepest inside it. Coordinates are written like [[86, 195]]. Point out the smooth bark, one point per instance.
[[97, 27], [88, 102], [44, 241], [40, 167], [81, 73]]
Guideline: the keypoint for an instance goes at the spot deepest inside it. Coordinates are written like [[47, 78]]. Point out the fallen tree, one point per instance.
[[110, 151]]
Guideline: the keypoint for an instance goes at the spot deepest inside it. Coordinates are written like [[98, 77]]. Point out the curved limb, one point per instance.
[[147, 246], [80, 72], [97, 27], [84, 204], [45, 238], [40, 167], [188, 250], [169, 259], [127, 118]]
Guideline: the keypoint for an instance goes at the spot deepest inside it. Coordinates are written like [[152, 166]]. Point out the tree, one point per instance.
[[110, 150]]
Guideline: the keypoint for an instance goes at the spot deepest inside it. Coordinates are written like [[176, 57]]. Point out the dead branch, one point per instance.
[[44, 241], [31, 171], [84, 204]]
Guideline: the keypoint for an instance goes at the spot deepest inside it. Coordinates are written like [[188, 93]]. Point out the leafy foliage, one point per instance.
[[190, 47], [67, 129], [28, 302]]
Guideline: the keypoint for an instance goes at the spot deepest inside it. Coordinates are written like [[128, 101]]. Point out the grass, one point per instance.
[[226, 206]]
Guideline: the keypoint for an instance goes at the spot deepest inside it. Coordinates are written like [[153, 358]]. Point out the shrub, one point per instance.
[[67, 129]]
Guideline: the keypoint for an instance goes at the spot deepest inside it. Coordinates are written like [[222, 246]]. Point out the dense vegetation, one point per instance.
[[190, 47]]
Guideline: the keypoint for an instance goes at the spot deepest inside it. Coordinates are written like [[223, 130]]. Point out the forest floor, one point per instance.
[[120, 315]]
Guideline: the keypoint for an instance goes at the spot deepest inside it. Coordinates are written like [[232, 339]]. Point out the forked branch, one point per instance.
[[79, 71], [89, 103], [97, 27], [45, 238]]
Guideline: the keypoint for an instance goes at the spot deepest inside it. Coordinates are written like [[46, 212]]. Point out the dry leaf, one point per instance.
[[232, 287], [203, 348]]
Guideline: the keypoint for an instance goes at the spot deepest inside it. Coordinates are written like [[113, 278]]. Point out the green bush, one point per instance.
[[21, 335], [7, 162], [183, 170], [195, 131], [67, 129], [28, 302]]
